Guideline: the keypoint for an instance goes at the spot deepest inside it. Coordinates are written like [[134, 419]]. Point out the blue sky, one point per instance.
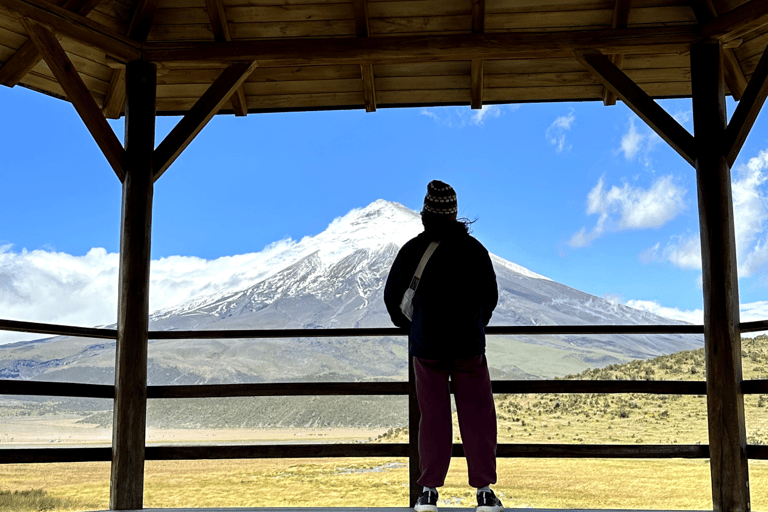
[[584, 194]]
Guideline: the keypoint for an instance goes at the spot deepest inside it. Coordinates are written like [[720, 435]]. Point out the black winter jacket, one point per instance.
[[454, 300]]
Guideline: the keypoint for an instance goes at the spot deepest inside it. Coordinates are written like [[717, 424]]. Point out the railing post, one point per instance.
[[722, 338], [414, 417], [130, 406]]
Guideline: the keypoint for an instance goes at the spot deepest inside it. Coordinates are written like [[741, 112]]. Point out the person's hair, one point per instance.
[[440, 226]]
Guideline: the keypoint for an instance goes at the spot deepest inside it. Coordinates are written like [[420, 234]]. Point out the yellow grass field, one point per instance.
[[565, 483]]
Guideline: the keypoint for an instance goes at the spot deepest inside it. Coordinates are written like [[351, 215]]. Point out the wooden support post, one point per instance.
[[722, 338], [130, 408], [414, 418]]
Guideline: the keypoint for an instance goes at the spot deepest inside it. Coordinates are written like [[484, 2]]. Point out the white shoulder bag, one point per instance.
[[406, 305]]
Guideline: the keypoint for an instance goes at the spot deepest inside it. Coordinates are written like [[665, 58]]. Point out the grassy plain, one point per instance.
[[548, 418]]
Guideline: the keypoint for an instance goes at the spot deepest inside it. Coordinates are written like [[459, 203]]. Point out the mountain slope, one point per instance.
[[336, 279]]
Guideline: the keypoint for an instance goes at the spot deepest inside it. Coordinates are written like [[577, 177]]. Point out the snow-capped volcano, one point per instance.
[[336, 279]]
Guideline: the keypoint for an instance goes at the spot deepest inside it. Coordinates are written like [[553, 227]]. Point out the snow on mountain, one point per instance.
[[336, 279]]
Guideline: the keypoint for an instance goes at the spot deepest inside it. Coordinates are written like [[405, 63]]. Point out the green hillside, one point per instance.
[[627, 418]]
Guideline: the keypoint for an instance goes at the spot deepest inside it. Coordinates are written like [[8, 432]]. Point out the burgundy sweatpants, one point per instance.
[[477, 419]]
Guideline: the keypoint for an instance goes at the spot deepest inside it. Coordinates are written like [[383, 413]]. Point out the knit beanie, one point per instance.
[[440, 199]]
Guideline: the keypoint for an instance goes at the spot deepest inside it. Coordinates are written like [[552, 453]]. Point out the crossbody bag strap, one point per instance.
[[422, 264]]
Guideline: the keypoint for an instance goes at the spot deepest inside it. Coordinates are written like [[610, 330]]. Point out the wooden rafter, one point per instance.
[[198, 116], [28, 56], [746, 112], [218, 18], [76, 27], [142, 19], [476, 78], [640, 103], [477, 84], [401, 49], [363, 30], [360, 8], [220, 28], [478, 16], [706, 11], [737, 22], [77, 93], [621, 11], [115, 99]]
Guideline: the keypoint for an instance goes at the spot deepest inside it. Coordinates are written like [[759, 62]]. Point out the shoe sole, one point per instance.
[[425, 508], [490, 509]]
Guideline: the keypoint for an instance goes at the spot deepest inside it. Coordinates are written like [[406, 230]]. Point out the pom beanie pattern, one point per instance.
[[440, 199]]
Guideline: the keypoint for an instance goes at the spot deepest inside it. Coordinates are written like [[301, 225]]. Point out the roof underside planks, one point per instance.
[[341, 54]]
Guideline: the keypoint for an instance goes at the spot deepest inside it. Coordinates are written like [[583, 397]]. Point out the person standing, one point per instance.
[[452, 305]]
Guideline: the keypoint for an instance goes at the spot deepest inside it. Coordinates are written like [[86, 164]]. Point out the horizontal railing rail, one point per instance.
[[657, 387], [406, 450], [496, 330]]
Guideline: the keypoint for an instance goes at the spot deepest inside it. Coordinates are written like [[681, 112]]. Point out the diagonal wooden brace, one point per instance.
[[77, 93], [640, 103]]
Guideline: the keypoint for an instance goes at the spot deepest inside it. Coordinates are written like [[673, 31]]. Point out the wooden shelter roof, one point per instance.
[[294, 55]]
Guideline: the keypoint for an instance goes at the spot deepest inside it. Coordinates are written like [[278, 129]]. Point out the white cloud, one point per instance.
[[627, 208], [460, 117], [750, 209], [693, 316], [486, 112], [556, 133], [54, 287], [632, 141], [749, 312], [642, 142]]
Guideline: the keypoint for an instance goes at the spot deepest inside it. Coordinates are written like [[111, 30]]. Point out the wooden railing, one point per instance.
[[38, 455]]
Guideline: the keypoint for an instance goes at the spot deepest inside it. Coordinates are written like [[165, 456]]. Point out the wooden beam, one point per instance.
[[220, 28], [640, 103], [130, 407], [737, 22], [706, 11], [199, 115], [369, 87], [28, 56], [477, 84], [75, 26], [239, 102], [476, 70], [115, 100], [746, 112], [734, 76], [143, 16], [77, 93], [218, 18], [399, 49], [620, 20], [478, 16], [360, 8], [722, 339]]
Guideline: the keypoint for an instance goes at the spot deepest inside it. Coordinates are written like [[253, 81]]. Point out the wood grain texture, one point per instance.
[[115, 99], [722, 340], [640, 103], [745, 19], [404, 49], [198, 116], [142, 20], [369, 87], [746, 113], [77, 93], [28, 56], [75, 26], [476, 88], [130, 409]]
